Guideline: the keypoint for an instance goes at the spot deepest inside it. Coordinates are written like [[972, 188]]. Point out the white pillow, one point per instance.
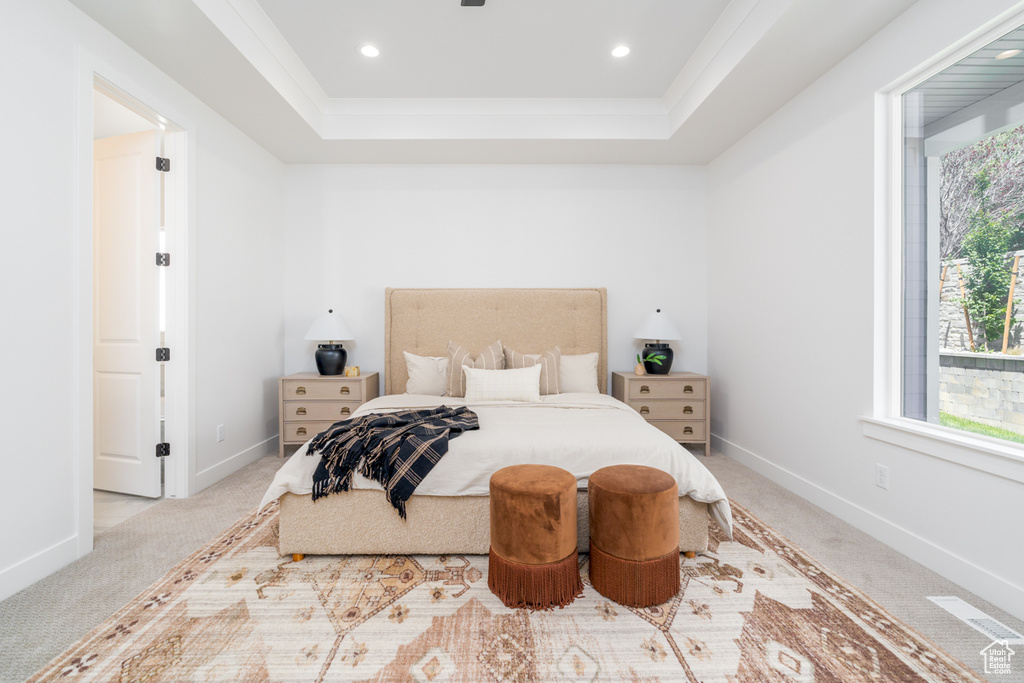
[[578, 374], [522, 384], [428, 375]]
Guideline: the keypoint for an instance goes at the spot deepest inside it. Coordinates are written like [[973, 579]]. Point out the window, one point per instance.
[[962, 271]]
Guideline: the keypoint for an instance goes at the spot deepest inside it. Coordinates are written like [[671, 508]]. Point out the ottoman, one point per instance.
[[634, 534], [533, 561]]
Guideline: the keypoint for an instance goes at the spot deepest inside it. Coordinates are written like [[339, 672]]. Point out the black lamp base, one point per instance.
[[330, 359], [658, 350]]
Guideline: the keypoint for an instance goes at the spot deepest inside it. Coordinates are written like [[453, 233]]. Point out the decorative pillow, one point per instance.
[[578, 374], [522, 384], [428, 375], [548, 361], [459, 358]]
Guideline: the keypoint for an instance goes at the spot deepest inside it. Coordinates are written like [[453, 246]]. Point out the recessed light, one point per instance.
[[1006, 54], [369, 50], [620, 51]]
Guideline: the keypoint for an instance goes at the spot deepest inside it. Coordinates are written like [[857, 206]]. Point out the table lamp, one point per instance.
[[330, 327], [657, 356]]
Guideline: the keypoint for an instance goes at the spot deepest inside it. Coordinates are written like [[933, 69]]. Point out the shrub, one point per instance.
[[992, 236]]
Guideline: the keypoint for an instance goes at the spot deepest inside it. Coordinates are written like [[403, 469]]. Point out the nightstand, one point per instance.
[[311, 402], [677, 403]]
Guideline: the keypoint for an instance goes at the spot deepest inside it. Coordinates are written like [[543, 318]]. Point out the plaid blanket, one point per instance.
[[396, 450]]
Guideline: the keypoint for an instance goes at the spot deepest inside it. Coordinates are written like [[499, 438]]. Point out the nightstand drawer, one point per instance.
[[300, 432], [334, 411], [682, 430], [669, 409], [302, 389], [690, 388]]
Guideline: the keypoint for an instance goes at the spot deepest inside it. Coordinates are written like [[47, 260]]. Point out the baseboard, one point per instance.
[[979, 581], [40, 565], [236, 462]]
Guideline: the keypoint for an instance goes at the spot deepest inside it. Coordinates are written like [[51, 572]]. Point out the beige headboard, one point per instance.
[[423, 321]]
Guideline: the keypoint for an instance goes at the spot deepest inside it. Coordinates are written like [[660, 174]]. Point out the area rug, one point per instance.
[[753, 609]]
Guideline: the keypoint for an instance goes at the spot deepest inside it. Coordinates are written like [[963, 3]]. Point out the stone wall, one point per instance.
[[987, 388], [953, 327]]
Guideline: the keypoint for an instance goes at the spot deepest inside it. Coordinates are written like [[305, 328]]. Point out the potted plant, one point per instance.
[[653, 357]]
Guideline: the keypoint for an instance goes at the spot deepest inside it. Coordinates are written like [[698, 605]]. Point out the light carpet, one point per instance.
[[754, 609]]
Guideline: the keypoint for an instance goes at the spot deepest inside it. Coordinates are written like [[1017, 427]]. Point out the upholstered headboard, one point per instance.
[[423, 321]]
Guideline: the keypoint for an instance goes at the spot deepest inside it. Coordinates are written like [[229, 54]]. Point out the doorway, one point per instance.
[[129, 307]]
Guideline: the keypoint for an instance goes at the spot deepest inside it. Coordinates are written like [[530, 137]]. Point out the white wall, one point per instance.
[[797, 194], [240, 302], [354, 230], [236, 284]]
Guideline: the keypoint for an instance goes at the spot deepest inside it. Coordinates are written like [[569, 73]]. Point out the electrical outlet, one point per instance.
[[220, 433], [882, 477]]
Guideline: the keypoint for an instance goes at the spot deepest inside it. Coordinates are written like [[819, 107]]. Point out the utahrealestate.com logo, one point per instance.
[[997, 657]]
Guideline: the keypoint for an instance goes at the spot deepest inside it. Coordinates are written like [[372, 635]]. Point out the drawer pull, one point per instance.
[[687, 430], [300, 411], [301, 431], [300, 391], [644, 389], [688, 389], [644, 410], [688, 410], [345, 411], [346, 390]]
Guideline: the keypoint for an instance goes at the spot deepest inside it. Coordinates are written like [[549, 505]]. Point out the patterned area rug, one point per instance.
[[753, 609]]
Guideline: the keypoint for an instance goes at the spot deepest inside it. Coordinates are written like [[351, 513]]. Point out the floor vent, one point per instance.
[[995, 630], [977, 619]]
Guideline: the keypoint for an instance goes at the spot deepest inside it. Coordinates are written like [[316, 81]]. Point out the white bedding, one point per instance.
[[577, 432]]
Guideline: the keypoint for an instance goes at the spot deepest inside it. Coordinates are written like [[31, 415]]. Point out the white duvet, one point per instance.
[[577, 432]]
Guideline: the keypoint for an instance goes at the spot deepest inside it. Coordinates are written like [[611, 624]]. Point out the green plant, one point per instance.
[[652, 357], [992, 236]]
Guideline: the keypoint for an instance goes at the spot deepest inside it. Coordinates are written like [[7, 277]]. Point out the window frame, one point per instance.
[[886, 422]]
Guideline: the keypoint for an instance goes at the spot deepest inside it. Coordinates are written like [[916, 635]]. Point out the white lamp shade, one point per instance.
[[657, 326], [329, 326]]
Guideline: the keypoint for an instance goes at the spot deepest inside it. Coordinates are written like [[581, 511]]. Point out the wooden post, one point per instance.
[[942, 281], [1009, 302], [967, 316]]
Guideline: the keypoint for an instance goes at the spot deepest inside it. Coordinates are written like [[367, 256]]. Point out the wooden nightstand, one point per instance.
[[677, 403], [311, 402]]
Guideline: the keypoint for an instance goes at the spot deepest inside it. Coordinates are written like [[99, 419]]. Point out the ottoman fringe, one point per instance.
[[535, 586], [634, 583]]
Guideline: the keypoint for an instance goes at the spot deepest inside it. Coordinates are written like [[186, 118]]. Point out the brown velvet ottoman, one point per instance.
[[533, 561], [634, 534]]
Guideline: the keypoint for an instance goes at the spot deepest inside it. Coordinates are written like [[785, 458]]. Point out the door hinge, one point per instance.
[[163, 259], [163, 450], [163, 354], [163, 164]]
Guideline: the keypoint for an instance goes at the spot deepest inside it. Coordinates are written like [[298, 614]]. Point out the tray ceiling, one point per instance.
[[505, 49], [514, 81]]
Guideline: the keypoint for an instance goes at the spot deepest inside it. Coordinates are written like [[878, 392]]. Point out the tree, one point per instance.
[[993, 233], [1002, 157]]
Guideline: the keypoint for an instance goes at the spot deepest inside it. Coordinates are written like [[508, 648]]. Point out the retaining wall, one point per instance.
[[987, 388]]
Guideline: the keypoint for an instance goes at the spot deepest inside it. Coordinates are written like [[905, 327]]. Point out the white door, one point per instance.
[[126, 376]]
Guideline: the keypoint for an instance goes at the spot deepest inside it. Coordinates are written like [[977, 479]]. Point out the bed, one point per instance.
[[450, 511]]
